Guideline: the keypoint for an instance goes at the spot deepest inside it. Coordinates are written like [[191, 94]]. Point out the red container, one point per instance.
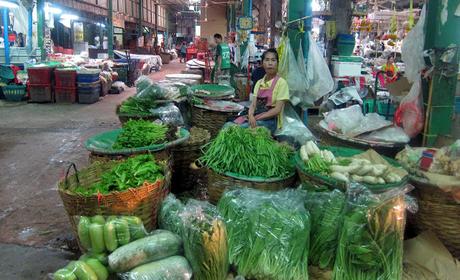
[[68, 51], [41, 93], [40, 76], [65, 95], [65, 78]]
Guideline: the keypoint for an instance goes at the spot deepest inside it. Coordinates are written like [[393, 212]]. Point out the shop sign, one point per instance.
[[118, 20], [78, 32]]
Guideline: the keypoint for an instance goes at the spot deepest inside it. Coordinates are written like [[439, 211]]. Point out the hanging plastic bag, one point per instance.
[[289, 70], [319, 77], [306, 101], [412, 49], [293, 127], [410, 114]]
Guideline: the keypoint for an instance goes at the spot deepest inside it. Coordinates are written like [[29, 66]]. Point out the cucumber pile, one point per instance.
[[85, 268], [98, 235]]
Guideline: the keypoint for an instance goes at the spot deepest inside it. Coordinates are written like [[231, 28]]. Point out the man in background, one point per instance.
[[222, 59]]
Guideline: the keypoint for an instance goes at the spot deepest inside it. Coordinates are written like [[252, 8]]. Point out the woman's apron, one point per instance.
[[263, 102]]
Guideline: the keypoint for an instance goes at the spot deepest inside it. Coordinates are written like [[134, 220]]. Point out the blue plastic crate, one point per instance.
[[87, 78]]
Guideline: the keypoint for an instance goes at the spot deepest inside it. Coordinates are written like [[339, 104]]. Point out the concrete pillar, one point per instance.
[[29, 29], [441, 31], [5, 36], [110, 28], [41, 27]]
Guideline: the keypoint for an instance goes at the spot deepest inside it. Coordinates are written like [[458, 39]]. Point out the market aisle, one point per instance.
[[37, 141]]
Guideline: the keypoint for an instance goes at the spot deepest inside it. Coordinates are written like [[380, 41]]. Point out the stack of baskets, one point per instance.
[[213, 121], [89, 86], [40, 84], [185, 179], [66, 80]]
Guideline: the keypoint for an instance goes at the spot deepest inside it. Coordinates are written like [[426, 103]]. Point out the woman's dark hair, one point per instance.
[[273, 51], [217, 36]]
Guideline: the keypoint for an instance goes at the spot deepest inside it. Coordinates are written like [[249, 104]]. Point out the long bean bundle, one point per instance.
[[326, 211], [268, 233], [371, 239], [248, 152], [140, 133]]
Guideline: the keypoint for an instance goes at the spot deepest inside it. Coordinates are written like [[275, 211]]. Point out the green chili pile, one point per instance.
[[268, 233], [371, 238], [326, 212], [140, 133], [248, 152], [131, 173]]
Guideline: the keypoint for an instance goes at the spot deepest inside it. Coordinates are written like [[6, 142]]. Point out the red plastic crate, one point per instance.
[[65, 95], [41, 93], [65, 79], [40, 76]]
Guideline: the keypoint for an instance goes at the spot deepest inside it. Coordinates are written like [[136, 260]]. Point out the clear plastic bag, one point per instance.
[[293, 127], [175, 267], [169, 114], [318, 74], [169, 218], [160, 244], [142, 83], [326, 212], [87, 267], [371, 239], [393, 134], [268, 233], [410, 113], [412, 49], [344, 120], [288, 68], [99, 234]]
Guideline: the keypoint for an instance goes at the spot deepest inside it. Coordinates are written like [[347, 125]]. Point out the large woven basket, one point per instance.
[[439, 213], [217, 183], [124, 117], [185, 178], [142, 202], [212, 121], [321, 182]]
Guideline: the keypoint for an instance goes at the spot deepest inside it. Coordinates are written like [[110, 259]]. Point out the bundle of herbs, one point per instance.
[[136, 106], [248, 152], [140, 133], [326, 212], [371, 238], [268, 233], [203, 232], [131, 173]]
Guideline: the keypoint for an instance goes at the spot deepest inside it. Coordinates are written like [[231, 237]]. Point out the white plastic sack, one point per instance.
[[412, 49], [289, 69], [392, 134], [344, 120], [319, 77], [293, 127]]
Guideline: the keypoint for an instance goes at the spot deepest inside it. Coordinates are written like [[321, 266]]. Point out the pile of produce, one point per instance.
[[268, 233], [98, 234], [87, 267], [136, 106], [248, 152], [371, 239], [204, 235], [140, 133], [131, 173], [346, 169], [326, 213], [156, 256]]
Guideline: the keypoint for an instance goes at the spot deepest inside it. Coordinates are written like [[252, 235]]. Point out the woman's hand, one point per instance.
[[252, 121]]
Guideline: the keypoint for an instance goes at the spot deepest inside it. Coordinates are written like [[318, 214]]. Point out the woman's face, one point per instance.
[[391, 60], [270, 63]]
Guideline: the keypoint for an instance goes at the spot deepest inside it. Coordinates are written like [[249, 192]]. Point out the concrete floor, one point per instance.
[[37, 142]]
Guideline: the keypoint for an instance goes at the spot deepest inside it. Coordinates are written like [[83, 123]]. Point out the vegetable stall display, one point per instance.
[[140, 133], [131, 173], [248, 152], [268, 233]]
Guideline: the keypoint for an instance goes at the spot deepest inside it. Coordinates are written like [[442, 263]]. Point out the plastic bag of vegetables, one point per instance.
[[159, 245], [87, 267], [171, 268], [326, 213], [371, 239], [268, 233], [169, 218], [100, 234], [205, 240]]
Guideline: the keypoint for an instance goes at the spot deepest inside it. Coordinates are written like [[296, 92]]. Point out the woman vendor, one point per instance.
[[391, 70], [270, 95]]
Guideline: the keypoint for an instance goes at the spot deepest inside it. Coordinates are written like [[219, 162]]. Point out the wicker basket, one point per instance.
[[212, 121], [439, 213], [185, 178], [123, 117], [217, 183], [142, 202]]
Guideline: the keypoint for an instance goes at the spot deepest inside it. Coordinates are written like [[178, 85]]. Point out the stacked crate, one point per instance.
[[40, 84], [89, 87], [66, 90]]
